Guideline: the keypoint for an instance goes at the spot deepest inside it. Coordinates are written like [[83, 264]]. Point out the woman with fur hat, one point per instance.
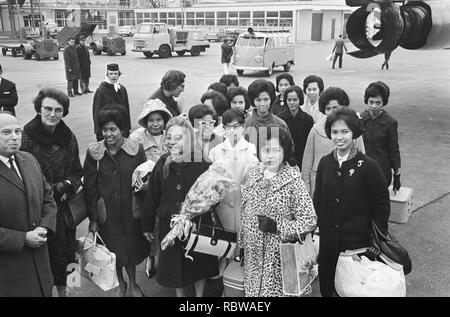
[[381, 132]]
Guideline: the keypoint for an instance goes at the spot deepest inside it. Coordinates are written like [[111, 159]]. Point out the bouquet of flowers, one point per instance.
[[207, 191]]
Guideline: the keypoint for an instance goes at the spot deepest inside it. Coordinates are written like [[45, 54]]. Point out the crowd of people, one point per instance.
[[300, 157]]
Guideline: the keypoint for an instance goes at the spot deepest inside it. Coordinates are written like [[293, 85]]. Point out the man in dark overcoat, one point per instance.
[[8, 94], [72, 68], [85, 65], [111, 92], [27, 212]]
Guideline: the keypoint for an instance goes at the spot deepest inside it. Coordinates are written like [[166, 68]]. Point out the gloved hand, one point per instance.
[[61, 187], [374, 251], [267, 224], [396, 183]]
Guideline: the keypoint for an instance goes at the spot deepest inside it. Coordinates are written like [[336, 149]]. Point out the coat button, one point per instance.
[[337, 200], [231, 205], [336, 226], [178, 187], [34, 223]]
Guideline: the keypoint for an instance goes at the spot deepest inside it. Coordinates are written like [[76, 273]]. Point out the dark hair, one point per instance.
[[53, 93], [376, 89], [219, 87], [219, 101], [172, 79], [297, 90], [112, 113], [349, 116], [238, 91], [258, 86], [333, 93], [284, 139], [229, 79], [199, 111], [313, 79], [286, 76], [233, 114]]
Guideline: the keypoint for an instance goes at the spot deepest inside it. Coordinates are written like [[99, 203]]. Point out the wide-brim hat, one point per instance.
[[151, 106]]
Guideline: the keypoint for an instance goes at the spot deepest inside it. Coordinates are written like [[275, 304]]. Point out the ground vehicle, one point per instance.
[[39, 48], [126, 30], [215, 35], [110, 44], [156, 38], [50, 29], [264, 50]]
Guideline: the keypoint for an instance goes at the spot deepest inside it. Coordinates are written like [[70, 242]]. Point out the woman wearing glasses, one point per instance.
[[55, 147], [203, 118]]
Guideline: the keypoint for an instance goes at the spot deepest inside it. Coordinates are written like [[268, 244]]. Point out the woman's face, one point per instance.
[[206, 125], [312, 92], [175, 140], [112, 134], [51, 112], [155, 123], [331, 107], [238, 102], [293, 102], [342, 136], [375, 104], [262, 104], [272, 154], [233, 131], [282, 85]]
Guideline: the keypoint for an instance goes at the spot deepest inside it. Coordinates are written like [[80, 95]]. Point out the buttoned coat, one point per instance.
[[71, 63], [84, 60], [23, 207], [8, 95], [346, 200]]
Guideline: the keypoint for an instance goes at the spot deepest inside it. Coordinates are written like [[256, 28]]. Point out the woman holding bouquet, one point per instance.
[[172, 177], [276, 207]]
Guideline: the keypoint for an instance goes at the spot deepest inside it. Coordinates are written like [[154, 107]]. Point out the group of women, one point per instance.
[[295, 167]]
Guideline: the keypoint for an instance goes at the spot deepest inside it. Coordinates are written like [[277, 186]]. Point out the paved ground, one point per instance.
[[419, 101]]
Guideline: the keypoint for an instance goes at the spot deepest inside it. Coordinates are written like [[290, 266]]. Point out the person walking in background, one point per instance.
[[172, 85], [227, 52], [381, 132], [27, 214], [8, 94], [55, 147], [109, 92], [72, 67], [312, 87], [85, 65], [108, 169], [387, 56], [338, 49]]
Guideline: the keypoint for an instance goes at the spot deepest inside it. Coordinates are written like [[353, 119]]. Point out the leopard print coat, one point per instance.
[[285, 199]]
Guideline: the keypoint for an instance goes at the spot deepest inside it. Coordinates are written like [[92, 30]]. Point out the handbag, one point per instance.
[[357, 276], [211, 240], [97, 263], [77, 209], [390, 247]]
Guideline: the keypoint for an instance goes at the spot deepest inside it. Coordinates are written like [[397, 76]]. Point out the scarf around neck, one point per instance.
[[116, 85], [351, 154]]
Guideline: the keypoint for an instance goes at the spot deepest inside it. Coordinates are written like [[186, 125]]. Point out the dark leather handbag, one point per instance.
[[390, 247], [77, 210]]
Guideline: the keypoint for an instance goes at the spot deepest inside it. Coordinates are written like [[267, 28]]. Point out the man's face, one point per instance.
[[113, 75], [72, 42], [82, 42], [10, 135]]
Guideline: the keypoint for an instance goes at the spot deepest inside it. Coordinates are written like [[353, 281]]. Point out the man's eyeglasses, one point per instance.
[[207, 123], [58, 111]]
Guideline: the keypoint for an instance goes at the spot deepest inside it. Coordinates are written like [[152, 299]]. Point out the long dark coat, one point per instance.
[[299, 125], [8, 95], [72, 65], [120, 231], [106, 95], [346, 200], [164, 199], [227, 52], [381, 141], [84, 60], [58, 156], [23, 207]]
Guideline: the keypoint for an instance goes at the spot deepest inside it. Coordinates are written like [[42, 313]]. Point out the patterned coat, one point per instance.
[[285, 199]]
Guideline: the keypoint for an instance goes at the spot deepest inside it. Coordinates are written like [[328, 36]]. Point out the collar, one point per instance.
[[284, 176], [241, 145], [5, 159], [97, 149], [314, 106], [383, 118], [116, 85], [149, 141], [319, 126], [35, 131]]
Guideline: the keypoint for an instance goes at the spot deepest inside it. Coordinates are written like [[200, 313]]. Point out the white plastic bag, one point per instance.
[[330, 57], [357, 276], [97, 263]]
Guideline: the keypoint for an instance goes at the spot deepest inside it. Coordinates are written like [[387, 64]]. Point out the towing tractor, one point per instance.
[[157, 38]]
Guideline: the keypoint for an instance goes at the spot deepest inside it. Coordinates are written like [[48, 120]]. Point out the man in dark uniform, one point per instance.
[[85, 65], [8, 94], [111, 92], [72, 68]]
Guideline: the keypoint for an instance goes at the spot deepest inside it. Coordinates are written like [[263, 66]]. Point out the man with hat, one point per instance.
[[85, 65], [8, 94], [109, 92], [72, 68], [28, 211]]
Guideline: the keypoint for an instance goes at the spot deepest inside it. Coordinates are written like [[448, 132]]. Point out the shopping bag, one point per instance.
[[77, 209], [233, 280], [330, 57], [298, 265], [97, 263], [357, 276]]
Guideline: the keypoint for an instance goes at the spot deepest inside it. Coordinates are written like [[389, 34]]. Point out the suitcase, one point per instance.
[[401, 204], [233, 280]]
